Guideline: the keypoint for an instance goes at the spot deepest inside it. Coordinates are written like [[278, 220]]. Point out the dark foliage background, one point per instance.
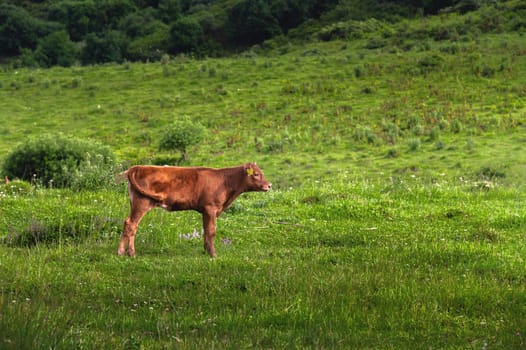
[[46, 33]]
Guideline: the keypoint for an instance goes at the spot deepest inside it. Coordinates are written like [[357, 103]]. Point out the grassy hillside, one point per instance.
[[397, 219], [456, 105]]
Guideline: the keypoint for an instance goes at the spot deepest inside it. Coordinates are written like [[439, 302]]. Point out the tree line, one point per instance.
[[47, 33]]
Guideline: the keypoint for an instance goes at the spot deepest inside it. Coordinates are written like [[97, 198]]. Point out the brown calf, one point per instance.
[[206, 190]]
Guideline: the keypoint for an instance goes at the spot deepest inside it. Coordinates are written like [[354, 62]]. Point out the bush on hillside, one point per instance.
[[353, 29], [182, 134], [56, 160], [430, 63]]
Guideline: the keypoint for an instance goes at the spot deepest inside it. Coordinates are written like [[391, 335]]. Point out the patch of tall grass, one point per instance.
[[26, 324]]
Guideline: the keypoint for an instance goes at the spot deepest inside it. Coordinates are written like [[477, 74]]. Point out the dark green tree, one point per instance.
[[140, 23], [289, 13], [106, 47], [169, 10], [318, 7], [56, 49], [186, 35], [109, 12], [251, 22], [146, 3], [151, 46], [77, 16], [18, 29]]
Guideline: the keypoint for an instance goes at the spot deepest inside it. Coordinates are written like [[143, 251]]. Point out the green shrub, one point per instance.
[[452, 49], [487, 72], [456, 126], [56, 160], [367, 90], [491, 173], [365, 134], [359, 71], [183, 133], [15, 85], [375, 43], [430, 63], [275, 143], [414, 144], [393, 153], [391, 131], [434, 133]]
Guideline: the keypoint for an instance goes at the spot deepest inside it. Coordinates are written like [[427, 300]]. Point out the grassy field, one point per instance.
[[355, 264], [397, 219]]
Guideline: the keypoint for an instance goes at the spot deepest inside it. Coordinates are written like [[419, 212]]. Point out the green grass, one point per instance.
[[357, 263], [397, 219]]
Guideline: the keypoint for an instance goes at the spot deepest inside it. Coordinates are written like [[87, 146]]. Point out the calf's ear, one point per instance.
[[250, 168]]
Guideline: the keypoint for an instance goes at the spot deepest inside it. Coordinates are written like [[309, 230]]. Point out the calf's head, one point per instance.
[[255, 180]]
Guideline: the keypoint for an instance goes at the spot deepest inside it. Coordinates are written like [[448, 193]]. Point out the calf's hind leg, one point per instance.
[[139, 207]]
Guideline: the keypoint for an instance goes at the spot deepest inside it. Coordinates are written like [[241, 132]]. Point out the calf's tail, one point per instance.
[[131, 175], [121, 177]]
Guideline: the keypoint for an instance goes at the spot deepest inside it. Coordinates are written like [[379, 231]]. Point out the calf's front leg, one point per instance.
[[209, 226]]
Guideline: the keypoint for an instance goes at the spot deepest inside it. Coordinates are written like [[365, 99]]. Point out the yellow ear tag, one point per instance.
[[250, 171]]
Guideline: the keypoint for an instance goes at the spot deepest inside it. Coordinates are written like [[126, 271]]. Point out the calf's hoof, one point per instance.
[[131, 253]]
